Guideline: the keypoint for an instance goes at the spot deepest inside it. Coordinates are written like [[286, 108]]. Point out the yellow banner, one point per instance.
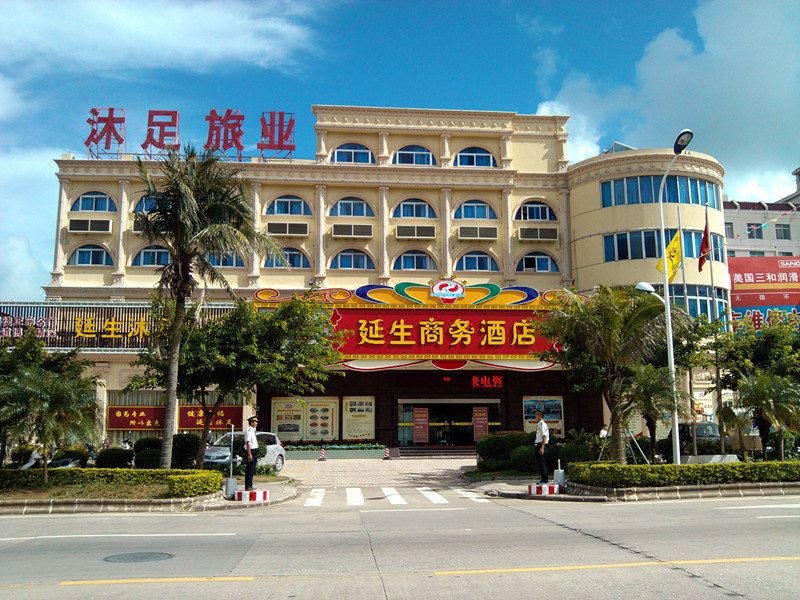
[[674, 254]]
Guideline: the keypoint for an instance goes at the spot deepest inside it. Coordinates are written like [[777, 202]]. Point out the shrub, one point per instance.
[[185, 447], [147, 443], [114, 458], [238, 448], [523, 458], [198, 483], [76, 451], [22, 453], [265, 470], [494, 451], [149, 458], [31, 478]]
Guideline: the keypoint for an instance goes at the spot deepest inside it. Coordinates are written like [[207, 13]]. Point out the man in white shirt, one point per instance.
[[251, 452], [542, 438]]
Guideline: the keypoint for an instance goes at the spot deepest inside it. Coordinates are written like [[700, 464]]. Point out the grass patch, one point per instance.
[[95, 490], [478, 475]]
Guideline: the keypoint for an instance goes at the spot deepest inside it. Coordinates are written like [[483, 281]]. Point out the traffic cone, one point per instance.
[[321, 454], [386, 454]]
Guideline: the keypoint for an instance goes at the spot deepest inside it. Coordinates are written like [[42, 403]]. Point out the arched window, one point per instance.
[[295, 259], [145, 205], [224, 259], [414, 208], [94, 202], [414, 260], [413, 155], [289, 205], [352, 259], [151, 256], [535, 211], [476, 261], [351, 207], [90, 254], [537, 262], [475, 209], [353, 153], [474, 156]]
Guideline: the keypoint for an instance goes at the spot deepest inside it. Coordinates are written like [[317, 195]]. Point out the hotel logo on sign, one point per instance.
[[447, 290]]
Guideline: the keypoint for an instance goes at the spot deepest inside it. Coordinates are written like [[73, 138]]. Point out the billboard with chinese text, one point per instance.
[[765, 289]]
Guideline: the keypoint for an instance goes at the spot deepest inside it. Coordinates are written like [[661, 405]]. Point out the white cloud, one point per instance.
[[11, 103], [547, 63], [21, 275]]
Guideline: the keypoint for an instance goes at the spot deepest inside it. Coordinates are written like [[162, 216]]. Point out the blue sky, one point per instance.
[[631, 71]]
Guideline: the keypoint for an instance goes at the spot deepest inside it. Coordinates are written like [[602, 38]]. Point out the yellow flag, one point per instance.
[[674, 254]]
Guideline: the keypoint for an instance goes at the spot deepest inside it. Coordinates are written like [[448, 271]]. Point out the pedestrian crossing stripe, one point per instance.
[[355, 496]]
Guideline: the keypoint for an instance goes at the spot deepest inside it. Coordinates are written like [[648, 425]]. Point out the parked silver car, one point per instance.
[[219, 453]]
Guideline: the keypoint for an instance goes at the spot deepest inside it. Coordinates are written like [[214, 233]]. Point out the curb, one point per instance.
[[687, 492], [233, 505], [101, 505], [554, 498]]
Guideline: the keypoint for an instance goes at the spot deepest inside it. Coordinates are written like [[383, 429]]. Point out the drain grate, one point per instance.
[[138, 557]]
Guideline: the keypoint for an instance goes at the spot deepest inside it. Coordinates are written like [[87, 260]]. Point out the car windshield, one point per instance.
[[225, 440]]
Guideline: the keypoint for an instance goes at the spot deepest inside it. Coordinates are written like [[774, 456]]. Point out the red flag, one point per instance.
[[705, 247]]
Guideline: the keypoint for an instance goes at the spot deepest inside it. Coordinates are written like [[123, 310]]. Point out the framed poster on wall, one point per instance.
[[322, 418], [553, 409], [287, 418], [358, 418]]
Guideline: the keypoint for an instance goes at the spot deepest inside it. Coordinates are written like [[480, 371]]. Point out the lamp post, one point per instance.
[[683, 140]]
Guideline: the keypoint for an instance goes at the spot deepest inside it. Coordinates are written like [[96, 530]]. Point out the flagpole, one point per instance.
[[686, 308], [715, 313]]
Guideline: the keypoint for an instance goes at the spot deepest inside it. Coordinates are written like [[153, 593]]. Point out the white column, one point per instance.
[[320, 274], [566, 247], [445, 219], [505, 150], [384, 217], [563, 161], [507, 212], [322, 149], [383, 148], [255, 267], [444, 150], [124, 207], [61, 219]]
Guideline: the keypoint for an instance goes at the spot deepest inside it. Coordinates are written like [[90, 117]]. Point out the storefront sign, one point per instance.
[[480, 422], [193, 417], [553, 409], [487, 381], [765, 289], [358, 418], [287, 418], [421, 434], [135, 418]]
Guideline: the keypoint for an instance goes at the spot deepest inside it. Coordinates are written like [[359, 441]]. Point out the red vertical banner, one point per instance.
[[420, 425], [480, 422]]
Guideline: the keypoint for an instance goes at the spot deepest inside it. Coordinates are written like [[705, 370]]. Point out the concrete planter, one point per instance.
[[331, 454]]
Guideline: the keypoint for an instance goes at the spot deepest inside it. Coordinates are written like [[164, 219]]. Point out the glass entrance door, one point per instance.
[[449, 424]]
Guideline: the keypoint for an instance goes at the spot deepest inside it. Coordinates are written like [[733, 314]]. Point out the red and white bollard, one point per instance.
[[247, 496], [321, 454], [548, 489], [386, 454]]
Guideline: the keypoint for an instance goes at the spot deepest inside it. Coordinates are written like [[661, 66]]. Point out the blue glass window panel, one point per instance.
[[535, 211], [94, 202], [413, 155], [476, 261], [90, 255], [637, 248], [632, 189], [475, 157], [145, 205], [225, 259], [353, 153], [609, 248], [289, 205], [414, 208], [605, 193], [683, 190], [151, 256], [622, 246], [688, 243], [352, 259], [542, 264], [414, 260], [650, 244], [619, 192], [351, 207], [295, 259], [672, 189], [646, 189], [703, 193], [475, 209], [714, 195], [694, 191]]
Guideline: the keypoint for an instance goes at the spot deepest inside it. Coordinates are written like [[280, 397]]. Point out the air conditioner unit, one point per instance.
[[288, 229], [477, 233], [538, 234], [90, 225], [349, 230], [415, 232]]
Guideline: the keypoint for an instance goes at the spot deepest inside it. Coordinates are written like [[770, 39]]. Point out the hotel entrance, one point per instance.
[[446, 421]]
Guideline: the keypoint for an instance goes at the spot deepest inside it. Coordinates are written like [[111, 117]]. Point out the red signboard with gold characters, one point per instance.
[[193, 417], [135, 418]]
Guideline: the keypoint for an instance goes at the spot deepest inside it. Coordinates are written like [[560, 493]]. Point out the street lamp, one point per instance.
[[683, 140]]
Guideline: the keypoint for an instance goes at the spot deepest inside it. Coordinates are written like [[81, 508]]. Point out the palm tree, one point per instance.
[[601, 339], [769, 399], [199, 208], [49, 408]]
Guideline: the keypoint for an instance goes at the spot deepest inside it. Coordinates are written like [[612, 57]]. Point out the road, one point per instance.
[[413, 541]]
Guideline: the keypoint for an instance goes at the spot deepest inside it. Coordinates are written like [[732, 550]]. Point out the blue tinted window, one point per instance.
[[646, 186], [683, 190], [619, 192], [289, 205], [295, 259], [414, 208], [609, 248], [475, 209], [605, 193], [694, 191], [94, 202], [414, 260], [703, 193], [650, 245], [671, 192], [352, 259], [535, 211], [151, 256], [351, 207], [413, 155], [225, 259], [537, 262], [622, 246], [632, 189], [476, 261], [637, 248], [475, 157], [145, 205], [90, 255], [352, 153]]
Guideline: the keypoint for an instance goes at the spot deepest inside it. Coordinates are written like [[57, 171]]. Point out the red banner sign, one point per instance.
[[421, 434], [430, 333], [480, 422], [135, 418], [193, 417], [765, 289]]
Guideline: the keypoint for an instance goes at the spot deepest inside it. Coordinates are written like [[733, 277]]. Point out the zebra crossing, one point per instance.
[[356, 497]]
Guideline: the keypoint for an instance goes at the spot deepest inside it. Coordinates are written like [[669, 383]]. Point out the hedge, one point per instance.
[[615, 475], [147, 443], [149, 458], [523, 458], [31, 478], [76, 451], [494, 450], [185, 447], [198, 483], [114, 458]]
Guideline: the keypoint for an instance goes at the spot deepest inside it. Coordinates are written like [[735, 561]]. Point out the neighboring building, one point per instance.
[[484, 203]]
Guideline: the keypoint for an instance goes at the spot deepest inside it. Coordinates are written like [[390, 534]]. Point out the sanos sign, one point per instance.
[[789, 264]]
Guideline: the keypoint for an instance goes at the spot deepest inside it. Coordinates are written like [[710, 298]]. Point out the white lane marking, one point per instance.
[[315, 497], [392, 496], [432, 496], [384, 510], [780, 517], [113, 535], [355, 497], [755, 506], [474, 496], [96, 516]]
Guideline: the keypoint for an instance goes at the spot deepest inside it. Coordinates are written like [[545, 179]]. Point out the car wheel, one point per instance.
[[278, 463]]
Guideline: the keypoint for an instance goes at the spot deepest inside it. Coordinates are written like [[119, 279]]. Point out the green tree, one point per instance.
[[199, 209], [290, 350], [601, 339]]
